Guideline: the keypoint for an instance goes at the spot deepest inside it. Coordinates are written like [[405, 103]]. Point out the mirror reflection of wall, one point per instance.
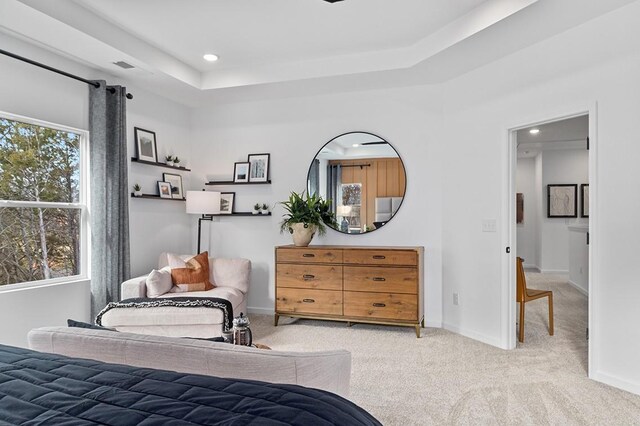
[[363, 176]]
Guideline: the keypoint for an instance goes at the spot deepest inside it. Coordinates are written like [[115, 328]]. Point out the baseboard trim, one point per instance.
[[577, 287], [536, 267], [433, 324], [554, 271], [261, 311], [473, 335], [616, 382]]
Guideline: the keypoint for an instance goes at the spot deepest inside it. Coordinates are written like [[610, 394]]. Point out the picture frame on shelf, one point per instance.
[[227, 202], [562, 201], [176, 184], [259, 169], [146, 148], [241, 172], [164, 189], [584, 200]]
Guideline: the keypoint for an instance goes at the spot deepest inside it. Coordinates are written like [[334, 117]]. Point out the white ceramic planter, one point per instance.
[[302, 234]]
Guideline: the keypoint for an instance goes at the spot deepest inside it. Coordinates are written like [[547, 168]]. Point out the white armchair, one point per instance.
[[231, 279]]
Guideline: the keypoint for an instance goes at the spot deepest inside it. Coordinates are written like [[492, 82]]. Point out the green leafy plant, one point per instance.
[[256, 206], [137, 187], [169, 158], [176, 160], [265, 207], [312, 210]]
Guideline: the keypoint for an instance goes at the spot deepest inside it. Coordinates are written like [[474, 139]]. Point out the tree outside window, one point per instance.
[[40, 202]]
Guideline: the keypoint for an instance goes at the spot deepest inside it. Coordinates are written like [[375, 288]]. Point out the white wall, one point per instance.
[[293, 130], [155, 225], [540, 234], [528, 231], [595, 63], [560, 166]]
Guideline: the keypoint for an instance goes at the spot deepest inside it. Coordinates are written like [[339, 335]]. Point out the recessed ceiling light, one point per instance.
[[210, 57], [355, 145], [534, 131]]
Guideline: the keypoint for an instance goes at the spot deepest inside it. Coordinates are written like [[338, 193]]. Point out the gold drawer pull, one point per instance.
[[379, 305], [378, 279], [308, 255], [308, 301], [379, 257], [308, 277]]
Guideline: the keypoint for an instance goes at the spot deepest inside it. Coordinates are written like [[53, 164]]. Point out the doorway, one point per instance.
[[551, 177]]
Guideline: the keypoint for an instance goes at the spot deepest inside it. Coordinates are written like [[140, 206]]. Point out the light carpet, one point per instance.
[[444, 378]]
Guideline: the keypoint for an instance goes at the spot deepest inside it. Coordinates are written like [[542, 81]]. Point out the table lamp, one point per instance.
[[205, 203]]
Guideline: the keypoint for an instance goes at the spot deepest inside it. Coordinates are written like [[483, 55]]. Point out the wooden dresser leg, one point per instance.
[[418, 331], [422, 323], [275, 320]]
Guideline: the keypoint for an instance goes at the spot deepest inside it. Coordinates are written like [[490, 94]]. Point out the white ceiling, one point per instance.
[[569, 133], [281, 48], [246, 33]]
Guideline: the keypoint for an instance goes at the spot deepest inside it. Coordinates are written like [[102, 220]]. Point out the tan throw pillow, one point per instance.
[[190, 275], [159, 282]]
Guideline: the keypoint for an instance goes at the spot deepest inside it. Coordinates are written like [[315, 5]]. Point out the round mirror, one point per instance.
[[364, 178]]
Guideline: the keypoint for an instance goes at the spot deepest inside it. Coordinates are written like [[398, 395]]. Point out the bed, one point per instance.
[[39, 388]]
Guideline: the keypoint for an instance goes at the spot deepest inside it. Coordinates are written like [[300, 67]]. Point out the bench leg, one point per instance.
[[275, 320], [521, 332]]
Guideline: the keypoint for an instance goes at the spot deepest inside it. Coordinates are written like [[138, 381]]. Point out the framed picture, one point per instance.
[[584, 200], [241, 172], [164, 189], [146, 149], [259, 170], [519, 208], [227, 200], [562, 200], [176, 184]]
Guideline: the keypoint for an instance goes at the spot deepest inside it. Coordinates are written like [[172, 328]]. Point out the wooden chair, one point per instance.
[[524, 295]]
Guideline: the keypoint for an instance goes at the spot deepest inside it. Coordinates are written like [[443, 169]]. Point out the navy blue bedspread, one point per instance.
[[45, 389]]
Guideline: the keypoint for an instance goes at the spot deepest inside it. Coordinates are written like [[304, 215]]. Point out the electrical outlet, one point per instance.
[[456, 299]]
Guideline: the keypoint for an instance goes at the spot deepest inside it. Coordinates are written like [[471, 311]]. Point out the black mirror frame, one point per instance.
[[401, 162]]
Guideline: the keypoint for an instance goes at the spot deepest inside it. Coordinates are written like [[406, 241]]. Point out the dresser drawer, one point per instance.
[[387, 306], [308, 255], [381, 279], [305, 301], [321, 277], [381, 257]]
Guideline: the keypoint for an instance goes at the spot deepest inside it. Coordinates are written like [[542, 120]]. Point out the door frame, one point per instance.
[[509, 229]]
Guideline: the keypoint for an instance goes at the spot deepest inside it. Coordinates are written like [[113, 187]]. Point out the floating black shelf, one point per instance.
[[230, 182], [157, 197], [241, 214], [159, 164]]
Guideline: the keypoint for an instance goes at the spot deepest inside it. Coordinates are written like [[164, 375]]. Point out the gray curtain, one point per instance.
[[334, 183], [109, 194], [314, 178]]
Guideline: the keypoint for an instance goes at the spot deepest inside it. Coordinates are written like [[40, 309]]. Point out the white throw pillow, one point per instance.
[[159, 282]]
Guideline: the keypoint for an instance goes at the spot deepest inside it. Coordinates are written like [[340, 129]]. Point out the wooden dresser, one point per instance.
[[380, 285]]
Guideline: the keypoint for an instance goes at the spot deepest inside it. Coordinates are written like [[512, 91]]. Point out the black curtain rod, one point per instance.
[[57, 71], [357, 165]]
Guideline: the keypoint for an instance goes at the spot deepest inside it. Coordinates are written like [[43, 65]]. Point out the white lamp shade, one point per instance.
[[203, 202]]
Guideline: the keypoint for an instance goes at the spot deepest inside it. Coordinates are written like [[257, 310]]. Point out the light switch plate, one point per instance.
[[489, 225]]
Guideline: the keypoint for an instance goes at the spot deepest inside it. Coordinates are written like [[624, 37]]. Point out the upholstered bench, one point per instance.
[[231, 280]]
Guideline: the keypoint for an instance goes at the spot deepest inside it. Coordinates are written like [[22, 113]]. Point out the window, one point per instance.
[[43, 214], [349, 209]]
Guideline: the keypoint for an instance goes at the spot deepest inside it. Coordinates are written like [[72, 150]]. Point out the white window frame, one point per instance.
[[82, 205]]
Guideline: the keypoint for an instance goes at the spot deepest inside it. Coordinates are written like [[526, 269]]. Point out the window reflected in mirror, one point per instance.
[[363, 176]]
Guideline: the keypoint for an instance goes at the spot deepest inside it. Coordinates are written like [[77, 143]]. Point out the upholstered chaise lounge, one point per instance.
[[231, 280]]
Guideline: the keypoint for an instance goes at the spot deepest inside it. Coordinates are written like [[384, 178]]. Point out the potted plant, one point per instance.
[[137, 190], [256, 208], [305, 215], [176, 162], [169, 160], [265, 209]]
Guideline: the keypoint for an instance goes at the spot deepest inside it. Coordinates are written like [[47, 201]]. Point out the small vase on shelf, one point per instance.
[[256, 209], [265, 209], [176, 162], [169, 160], [137, 190]]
